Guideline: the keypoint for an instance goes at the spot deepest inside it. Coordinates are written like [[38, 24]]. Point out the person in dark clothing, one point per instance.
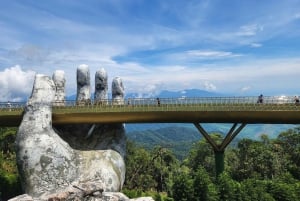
[[158, 101], [296, 100], [260, 99]]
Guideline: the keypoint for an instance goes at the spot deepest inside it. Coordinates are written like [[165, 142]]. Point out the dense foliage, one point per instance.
[[9, 180], [265, 169]]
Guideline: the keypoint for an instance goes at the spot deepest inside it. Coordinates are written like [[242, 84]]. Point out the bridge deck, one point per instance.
[[209, 110]]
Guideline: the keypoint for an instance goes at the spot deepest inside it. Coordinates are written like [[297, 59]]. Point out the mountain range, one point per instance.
[[164, 94]]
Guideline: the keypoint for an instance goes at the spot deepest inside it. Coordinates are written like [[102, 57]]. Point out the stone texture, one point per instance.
[[98, 136], [70, 162], [118, 91], [143, 199], [46, 162], [101, 87], [59, 81], [83, 84], [23, 197], [83, 192]]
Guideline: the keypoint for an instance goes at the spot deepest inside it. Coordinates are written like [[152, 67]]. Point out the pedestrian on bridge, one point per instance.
[[158, 102], [260, 99], [296, 99], [9, 105]]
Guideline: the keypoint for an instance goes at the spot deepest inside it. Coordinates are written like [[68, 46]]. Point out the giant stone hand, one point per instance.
[[52, 158]]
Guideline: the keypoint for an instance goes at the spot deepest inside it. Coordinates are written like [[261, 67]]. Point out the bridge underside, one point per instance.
[[272, 117], [248, 117]]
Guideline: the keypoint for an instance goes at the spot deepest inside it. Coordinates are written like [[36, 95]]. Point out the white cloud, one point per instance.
[[249, 30], [214, 54], [255, 45], [262, 75], [279, 74], [296, 16], [245, 89], [53, 40], [192, 55], [209, 86], [15, 84]]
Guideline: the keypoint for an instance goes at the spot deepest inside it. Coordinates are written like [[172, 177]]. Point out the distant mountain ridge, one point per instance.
[[164, 94], [175, 94], [180, 137]]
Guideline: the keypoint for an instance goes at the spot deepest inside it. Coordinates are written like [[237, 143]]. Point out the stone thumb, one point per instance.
[[38, 112]]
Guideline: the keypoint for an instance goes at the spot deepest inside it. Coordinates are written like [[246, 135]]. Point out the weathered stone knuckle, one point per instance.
[[51, 160]]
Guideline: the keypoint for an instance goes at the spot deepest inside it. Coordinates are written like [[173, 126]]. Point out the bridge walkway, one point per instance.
[[274, 110]]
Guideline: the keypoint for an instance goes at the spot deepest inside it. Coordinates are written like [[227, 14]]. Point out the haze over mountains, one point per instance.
[[166, 94], [176, 94]]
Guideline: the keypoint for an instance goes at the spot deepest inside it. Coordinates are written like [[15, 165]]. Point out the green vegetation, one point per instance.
[[265, 169], [9, 179], [178, 139]]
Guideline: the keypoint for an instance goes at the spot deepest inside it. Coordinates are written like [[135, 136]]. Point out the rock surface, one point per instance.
[[118, 91], [59, 81], [101, 86], [51, 160], [83, 84], [76, 193], [70, 162]]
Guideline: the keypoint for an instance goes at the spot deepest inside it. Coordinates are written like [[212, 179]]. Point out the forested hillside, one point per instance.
[[265, 169], [9, 180], [180, 137]]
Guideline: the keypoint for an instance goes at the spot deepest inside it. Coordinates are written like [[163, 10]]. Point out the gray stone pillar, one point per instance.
[[101, 87], [118, 91], [59, 81], [83, 85]]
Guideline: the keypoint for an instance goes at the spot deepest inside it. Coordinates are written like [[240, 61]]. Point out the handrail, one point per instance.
[[246, 103], [183, 100], [172, 110]]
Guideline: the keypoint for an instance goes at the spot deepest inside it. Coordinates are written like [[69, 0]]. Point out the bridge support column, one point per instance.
[[219, 149], [219, 161]]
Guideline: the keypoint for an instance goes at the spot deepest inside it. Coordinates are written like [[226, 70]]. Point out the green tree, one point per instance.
[[164, 165], [138, 168], [9, 178], [290, 143], [183, 187], [253, 189], [257, 159], [283, 191], [202, 154], [204, 188], [229, 189]]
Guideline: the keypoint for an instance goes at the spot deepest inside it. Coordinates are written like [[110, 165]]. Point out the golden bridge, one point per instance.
[[274, 110], [237, 110]]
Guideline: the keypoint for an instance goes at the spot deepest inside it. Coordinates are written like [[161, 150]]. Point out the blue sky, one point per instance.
[[231, 47]]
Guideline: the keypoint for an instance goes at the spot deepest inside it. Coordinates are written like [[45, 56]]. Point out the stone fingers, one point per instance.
[[59, 81], [101, 87], [83, 85], [118, 91]]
